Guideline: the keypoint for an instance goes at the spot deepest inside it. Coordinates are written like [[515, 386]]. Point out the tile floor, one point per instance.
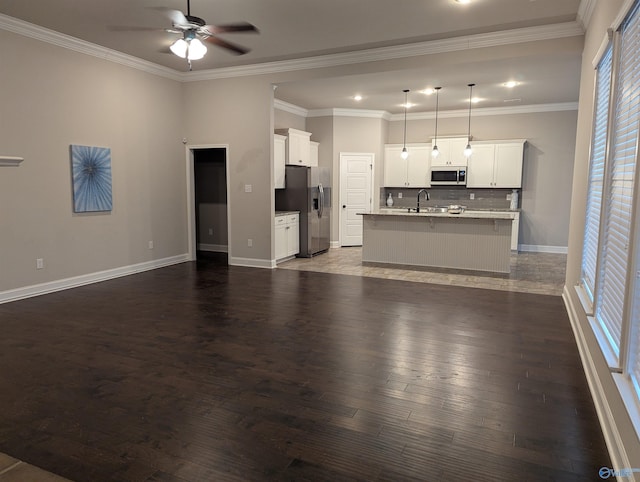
[[539, 273]]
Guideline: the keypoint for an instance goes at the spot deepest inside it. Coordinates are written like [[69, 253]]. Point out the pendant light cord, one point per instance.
[[470, 96], [437, 89], [404, 144]]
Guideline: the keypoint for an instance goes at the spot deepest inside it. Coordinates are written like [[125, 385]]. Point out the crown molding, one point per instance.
[[291, 108], [506, 37], [362, 113], [36, 32], [447, 114], [330, 112], [488, 111], [585, 11]]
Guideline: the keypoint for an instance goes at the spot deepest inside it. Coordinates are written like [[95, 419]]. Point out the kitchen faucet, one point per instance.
[[427, 197]]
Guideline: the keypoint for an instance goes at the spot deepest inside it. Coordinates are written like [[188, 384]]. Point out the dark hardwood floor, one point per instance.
[[203, 372]]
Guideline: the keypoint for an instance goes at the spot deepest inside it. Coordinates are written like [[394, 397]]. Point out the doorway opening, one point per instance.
[[208, 203]]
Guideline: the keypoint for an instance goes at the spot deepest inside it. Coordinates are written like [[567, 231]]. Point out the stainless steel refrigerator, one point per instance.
[[308, 190]]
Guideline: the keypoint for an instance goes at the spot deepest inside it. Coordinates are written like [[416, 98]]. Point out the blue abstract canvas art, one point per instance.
[[91, 169]]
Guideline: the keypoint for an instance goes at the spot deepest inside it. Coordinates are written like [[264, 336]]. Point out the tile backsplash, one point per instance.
[[483, 198]]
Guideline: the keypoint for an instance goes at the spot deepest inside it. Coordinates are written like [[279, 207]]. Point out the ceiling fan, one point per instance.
[[194, 31]]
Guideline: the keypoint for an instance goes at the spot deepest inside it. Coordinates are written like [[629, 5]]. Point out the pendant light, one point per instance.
[[467, 150], [405, 154], [435, 152]]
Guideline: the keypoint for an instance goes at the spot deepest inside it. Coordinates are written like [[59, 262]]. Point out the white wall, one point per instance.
[[52, 97], [244, 122]]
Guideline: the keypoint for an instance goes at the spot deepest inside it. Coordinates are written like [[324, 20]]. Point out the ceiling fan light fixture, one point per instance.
[[196, 49], [180, 47]]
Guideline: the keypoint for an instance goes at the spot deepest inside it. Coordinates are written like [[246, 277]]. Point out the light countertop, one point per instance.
[[286, 213], [467, 214]]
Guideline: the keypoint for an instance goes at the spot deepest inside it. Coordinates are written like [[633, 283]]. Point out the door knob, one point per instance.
[[344, 206]]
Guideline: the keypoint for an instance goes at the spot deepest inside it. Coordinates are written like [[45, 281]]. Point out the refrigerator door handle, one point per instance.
[[321, 206]]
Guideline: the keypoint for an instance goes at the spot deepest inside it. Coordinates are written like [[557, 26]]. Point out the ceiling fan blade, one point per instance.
[[232, 27], [176, 16], [236, 49]]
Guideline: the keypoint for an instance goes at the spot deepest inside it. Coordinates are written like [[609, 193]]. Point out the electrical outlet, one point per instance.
[[250, 242], [508, 197], [472, 196], [39, 263], [150, 244], [210, 231], [248, 188], [399, 195]]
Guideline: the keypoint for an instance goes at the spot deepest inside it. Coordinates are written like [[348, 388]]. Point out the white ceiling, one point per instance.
[[296, 29]]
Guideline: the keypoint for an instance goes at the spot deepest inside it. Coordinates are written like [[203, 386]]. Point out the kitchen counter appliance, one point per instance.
[[448, 176]]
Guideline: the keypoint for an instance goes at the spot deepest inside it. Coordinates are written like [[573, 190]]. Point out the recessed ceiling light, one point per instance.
[[463, 1], [475, 100], [511, 84], [357, 97], [409, 105], [429, 91]]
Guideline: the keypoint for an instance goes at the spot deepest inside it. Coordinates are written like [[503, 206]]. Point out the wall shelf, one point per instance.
[[10, 161]]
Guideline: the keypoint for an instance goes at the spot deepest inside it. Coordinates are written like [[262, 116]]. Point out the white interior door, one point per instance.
[[356, 175]]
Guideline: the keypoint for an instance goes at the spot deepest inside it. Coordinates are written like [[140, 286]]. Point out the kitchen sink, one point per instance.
[[431, 209]]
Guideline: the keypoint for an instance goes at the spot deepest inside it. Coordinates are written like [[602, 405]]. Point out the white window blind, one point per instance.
[[618, 203], [634, 360], [596, 171]]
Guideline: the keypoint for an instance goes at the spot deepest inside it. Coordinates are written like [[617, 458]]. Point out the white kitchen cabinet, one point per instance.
[[293, 234], [313, 154], [297, 146], [287, 235], [410, 172], [496, 164], [451, 152], [281, 237], [279, 146]]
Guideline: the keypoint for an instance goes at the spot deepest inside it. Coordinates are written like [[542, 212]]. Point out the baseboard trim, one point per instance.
[[536, 248], [252, 262], [215, 248], [86, 279], [612, 437]]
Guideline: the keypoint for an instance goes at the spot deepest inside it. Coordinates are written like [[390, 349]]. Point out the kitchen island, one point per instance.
[[471, 240]]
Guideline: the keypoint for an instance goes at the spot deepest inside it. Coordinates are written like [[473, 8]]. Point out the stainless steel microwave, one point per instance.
[[448, 176]]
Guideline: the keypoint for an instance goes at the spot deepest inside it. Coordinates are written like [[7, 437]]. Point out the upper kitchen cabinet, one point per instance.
[[297, 146], [410, 172], [279, 156], [451, 152], [313, 153], [496, 164]]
